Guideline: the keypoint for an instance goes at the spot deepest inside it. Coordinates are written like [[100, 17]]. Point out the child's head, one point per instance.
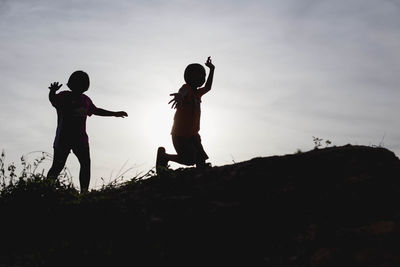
[[78, 82], [195, 75]]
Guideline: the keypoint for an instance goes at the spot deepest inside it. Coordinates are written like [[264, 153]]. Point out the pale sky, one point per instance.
[[285, 71]]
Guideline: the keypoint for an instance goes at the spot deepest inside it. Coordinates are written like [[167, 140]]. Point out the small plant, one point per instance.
[[120, 177], [9, 175], [318, 142], [381, 143]]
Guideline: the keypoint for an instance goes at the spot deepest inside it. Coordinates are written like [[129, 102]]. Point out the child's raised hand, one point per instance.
[[209, 63], [176, 101], [55, 86], [121, 114]]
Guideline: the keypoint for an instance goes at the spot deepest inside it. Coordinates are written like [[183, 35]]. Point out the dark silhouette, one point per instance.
[[73, 107], [185, 130], [336, 206]]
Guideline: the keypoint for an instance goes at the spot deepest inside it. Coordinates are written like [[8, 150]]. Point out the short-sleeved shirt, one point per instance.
[[72, 112], [187, 115]]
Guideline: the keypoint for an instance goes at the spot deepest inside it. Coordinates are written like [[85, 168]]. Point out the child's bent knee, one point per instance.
[[188, 160]]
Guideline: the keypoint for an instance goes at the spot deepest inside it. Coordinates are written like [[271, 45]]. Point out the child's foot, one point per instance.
[[162, 161]]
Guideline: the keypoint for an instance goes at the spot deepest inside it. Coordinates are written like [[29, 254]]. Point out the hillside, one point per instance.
[[337, 206]]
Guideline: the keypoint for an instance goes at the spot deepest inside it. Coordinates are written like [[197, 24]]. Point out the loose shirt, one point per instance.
[[72, 111], [187, 115]]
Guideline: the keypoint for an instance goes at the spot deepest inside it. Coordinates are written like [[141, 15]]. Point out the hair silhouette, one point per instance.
[[195, 74], [78, 82]]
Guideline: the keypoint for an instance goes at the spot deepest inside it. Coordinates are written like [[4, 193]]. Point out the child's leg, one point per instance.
[[163, 158], [178, 159], [201, 155], [186, 152], [59, 158], [83, 155]]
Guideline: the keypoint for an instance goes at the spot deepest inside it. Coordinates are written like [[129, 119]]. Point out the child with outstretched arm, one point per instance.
[[73, 107], [185, 130]]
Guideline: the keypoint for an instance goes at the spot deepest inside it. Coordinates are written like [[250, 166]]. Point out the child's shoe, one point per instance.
[[162, 161]]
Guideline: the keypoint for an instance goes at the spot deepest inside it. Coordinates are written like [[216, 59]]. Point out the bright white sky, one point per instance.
[[285, 71]]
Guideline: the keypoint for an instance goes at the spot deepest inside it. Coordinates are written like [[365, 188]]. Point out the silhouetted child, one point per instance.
[[185, 130], [73, 107]]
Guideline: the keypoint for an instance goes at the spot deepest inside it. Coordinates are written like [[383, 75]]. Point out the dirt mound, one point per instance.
[[337, 206]]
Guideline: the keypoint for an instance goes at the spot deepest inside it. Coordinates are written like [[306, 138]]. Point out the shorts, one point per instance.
[[189, 149], [82, 152]]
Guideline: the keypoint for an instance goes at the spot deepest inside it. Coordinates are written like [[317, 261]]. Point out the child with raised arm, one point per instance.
[[73, 107], [185, 130]]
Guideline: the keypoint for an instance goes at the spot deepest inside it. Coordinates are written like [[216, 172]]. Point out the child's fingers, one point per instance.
[[122, 114], [172, 100], [55, 85]]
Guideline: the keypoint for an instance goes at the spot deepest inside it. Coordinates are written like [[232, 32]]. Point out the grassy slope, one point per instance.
[[324, 207]]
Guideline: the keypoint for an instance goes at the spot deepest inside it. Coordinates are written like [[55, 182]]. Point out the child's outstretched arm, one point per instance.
[[53, 89], [208, 85], [107, 113]]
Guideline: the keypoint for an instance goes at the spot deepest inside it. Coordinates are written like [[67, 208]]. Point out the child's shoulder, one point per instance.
[[185, 88], [64, 93], [86, 97]]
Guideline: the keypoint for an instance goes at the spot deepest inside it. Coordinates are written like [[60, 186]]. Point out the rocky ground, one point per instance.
[[337, 206]]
